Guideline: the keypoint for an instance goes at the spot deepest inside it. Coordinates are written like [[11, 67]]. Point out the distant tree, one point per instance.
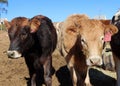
[[2, 10], [1, 7], [4, 1]]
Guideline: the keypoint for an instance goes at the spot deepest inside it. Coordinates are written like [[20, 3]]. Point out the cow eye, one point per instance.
[[102, 39], [84, 44], [83, 41], [23, 36]]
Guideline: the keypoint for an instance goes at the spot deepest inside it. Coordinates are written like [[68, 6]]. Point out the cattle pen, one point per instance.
[[13, 72]]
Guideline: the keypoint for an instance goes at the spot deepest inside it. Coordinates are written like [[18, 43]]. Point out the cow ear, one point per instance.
[[111, 28], [7, 24], [34, 25]]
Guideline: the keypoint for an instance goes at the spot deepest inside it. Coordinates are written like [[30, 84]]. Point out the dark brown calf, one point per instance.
[[35, 39]]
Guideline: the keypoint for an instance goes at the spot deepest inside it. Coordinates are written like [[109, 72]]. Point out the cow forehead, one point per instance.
[[92, 32], [16, 26], [19, 21], [92, 29]]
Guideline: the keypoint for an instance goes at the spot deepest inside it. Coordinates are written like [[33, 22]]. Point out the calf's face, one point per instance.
[[88, 35], [92, 41], [19, 35], [92, 38]]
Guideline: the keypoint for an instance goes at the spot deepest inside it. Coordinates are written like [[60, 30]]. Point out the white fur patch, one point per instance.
[[94, 60], [14, 54], [116, 15]]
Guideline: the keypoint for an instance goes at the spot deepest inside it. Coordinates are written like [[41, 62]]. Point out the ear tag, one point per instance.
[[107, 37]]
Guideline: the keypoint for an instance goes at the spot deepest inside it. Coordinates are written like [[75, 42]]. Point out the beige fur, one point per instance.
[[82, 40]]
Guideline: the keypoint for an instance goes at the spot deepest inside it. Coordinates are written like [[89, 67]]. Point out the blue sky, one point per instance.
[[58, 10]]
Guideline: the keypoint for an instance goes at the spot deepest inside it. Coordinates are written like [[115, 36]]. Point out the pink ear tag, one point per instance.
[[107, 37]]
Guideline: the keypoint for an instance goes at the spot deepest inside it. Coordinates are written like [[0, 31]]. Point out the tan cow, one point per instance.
[[83, 44]]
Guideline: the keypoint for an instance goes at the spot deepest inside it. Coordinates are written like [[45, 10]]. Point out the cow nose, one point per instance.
[[94, 60], [10, 53], [13, 54]]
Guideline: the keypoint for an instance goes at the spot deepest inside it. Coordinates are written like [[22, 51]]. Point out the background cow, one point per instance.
[[83, 44], [107, 55], [59, 30], [35, 39], [115, 44]]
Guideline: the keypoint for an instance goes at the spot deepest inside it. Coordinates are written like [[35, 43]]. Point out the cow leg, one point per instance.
[[87, 79], [80, 78], [70, 63], [73, 76], [29, 62], [82, 75], [47, 71], [33, 80]]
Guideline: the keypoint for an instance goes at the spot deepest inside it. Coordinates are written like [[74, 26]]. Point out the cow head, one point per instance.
[[116, 19], [90, 34], [93, 36], [20, 36]]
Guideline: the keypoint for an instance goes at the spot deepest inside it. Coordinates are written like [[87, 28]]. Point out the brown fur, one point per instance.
[[108, 25], [106, 22], [22, 21], [75, 29], [35, 40]]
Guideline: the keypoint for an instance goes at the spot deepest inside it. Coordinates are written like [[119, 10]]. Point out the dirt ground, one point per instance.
[[13, 72]]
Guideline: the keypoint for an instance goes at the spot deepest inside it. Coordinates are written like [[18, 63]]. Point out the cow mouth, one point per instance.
[[14, 54]]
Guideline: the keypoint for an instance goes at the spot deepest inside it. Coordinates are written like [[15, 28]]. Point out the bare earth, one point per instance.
[[13, 72]]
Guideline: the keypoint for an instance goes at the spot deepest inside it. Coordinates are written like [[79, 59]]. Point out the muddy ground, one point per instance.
[[13, 72]]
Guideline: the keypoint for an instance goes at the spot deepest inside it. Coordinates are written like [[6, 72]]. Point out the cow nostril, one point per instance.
[[11, 54], [94, 60], [91, 61]]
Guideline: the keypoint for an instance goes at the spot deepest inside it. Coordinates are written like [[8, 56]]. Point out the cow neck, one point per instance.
[[35, 48]]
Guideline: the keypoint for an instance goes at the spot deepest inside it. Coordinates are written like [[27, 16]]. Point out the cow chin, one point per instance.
[[14, 54], [94, 61]]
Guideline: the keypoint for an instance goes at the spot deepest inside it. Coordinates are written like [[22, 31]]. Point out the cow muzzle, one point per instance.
[[94, 61], [13, 54]]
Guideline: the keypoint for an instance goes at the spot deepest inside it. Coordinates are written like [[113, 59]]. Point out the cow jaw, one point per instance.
[[13, 54]]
